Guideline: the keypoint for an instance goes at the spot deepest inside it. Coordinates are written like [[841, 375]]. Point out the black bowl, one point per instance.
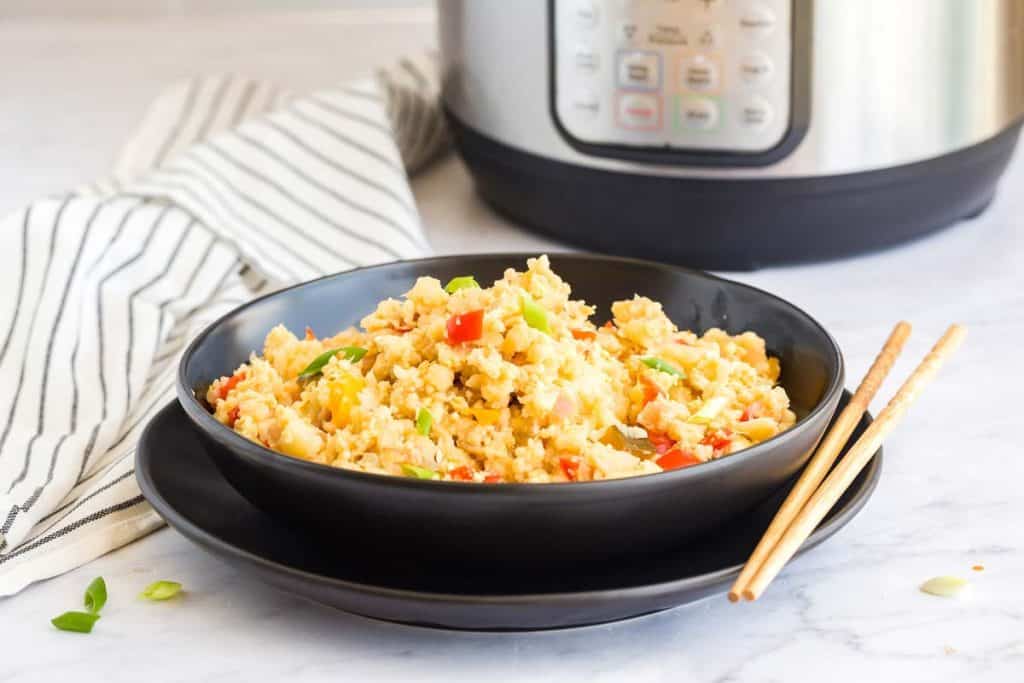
[[518, 523]]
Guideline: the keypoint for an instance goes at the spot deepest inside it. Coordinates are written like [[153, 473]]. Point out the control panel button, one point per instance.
[[587, 13], [698, 113], [586, 103], [639, 112], [709, 37], [756, 69], [586, 58], [640, 70], [700, 73], [668, 34], [756, 21], [755, 113]]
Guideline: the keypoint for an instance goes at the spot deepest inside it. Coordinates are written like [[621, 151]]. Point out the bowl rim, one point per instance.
[[239, 445]]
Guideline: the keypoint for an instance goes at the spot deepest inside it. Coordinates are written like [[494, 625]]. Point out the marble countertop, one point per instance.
[[950, 495]]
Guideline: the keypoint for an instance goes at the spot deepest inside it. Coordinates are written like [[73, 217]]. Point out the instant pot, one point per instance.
[[734, 133]]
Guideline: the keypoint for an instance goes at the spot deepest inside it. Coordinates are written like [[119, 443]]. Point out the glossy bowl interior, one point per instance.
[[523, 523]]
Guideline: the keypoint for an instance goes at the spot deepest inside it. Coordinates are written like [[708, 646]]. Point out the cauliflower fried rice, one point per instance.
[[509, 383]]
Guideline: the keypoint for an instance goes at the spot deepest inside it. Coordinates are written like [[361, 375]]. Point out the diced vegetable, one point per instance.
[[662, 442], [570, 466], [343, 395], [353, 354], [584, 335], [662, 366], [677, 458], [608, 325], [754, 410], [709, 411], [466, 327], [492, 478], [945, 586], [718, 440], [233, 416], [651, 390], [424, 421], [622, 439], [230, 384], [161, 590], [534, 314], [78, 622], [417, 471], [462, 473], [486, 416], [461, 282], [96, 595]]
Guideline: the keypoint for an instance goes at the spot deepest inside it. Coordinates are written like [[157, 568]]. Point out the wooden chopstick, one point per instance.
[[856, 458], [826, 454]]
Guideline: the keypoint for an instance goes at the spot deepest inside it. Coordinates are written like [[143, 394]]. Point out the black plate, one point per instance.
[[487, 524], [179, 479]]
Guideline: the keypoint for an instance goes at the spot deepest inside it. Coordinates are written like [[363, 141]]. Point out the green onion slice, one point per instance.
[[96, 595], [353, 354], [461, 282], [416, 471], [79, 622], [534, 314], [161, 590], [661, 366], [424, 420]]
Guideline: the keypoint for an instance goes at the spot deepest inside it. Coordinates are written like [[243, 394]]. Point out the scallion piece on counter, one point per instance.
[[416, 471], [661, 366], [353, 354], [461, 282], [534, 314], [424, 421], [96, 595], [161, 590], [79, 622]]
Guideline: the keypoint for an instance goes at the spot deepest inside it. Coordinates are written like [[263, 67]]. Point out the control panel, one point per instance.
[[674, 75]]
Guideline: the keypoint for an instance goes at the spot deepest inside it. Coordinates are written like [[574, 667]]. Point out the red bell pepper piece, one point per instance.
[[651, 390], [492, 478], [662, 443], [719, 440], [229, 385], [466, 327], [583, 335], [570, 466], [676, 459], [462, 473]]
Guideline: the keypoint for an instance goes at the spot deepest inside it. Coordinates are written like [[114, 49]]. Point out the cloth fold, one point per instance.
[[229, 189]]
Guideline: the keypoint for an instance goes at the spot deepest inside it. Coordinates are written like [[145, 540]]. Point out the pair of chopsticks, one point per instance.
[[808, 503]]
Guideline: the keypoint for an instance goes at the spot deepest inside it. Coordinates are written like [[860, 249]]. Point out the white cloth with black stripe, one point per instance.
[[229, 189]]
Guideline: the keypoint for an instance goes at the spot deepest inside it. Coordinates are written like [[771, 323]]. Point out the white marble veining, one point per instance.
[[951, 494]]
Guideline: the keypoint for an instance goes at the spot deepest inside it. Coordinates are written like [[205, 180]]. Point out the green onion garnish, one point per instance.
[[424, 420], [79, 622], [418, 472], [161, 590], [461, 282], [534, 314], [661, 366], [353, 354], [96, 595]]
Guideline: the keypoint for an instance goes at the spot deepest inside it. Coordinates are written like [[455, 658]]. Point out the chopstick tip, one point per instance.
[[748, 595], [734, 596]]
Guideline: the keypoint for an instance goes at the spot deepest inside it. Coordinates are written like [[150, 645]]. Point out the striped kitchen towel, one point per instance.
[[229, 189]]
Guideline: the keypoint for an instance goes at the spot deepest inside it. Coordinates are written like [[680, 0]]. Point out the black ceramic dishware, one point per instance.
[[177, 475], [518, 523]]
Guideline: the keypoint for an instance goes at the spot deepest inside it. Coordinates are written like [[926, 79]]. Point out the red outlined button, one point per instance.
[[637, 111]]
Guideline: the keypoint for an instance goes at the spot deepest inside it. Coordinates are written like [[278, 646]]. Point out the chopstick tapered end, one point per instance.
[[734, 596], [749, 595]]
